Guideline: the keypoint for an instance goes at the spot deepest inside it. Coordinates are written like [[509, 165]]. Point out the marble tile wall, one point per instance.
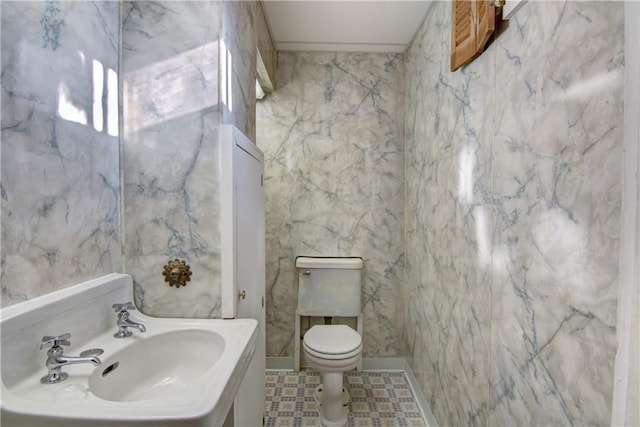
[[240, 35], [173, 105], [60, 168], [557, 191], [334, 168], [513, 217], [60, 197], [171, 153], [448, 135]]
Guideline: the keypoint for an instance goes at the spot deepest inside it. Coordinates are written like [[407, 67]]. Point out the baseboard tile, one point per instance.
[[428, 417], [368, 363], [383, 364], [280, 363]]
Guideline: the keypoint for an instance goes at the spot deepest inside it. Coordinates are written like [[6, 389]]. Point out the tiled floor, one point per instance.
[[378, 399]]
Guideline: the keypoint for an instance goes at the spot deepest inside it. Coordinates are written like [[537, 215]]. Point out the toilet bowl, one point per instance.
[[332, 350]]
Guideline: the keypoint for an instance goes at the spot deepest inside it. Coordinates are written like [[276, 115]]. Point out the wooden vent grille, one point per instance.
[[472, 24]]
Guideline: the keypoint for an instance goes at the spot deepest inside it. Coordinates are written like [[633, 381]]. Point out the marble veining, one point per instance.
[[497, 217], [172, 109], [556, 267], [60, 166], [240, 35], [332, 138], [170, 152], [513, 216]]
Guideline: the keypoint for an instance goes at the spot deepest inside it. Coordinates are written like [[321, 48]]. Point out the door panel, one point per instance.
[[250, 278]]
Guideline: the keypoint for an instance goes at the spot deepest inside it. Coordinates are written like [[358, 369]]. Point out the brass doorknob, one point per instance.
[[242, 294]]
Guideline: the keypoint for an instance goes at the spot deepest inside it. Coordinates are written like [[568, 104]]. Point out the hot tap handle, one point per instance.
[[123, 307], [62, 340]]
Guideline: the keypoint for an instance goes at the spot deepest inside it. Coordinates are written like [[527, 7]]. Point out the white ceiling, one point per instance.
[[337, 25]]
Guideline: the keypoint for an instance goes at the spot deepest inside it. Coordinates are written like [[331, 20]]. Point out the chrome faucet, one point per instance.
[[56, 359], [124, 323]]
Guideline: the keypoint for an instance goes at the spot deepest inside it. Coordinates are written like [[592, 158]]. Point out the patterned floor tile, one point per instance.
[[378, 399]]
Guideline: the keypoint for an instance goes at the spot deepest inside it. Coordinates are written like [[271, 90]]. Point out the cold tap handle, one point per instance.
[[61, 340]]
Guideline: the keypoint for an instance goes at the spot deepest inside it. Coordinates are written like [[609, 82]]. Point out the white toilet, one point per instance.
[[330, 287]]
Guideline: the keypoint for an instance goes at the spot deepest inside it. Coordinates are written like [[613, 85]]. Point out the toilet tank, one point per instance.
[[329, 286]]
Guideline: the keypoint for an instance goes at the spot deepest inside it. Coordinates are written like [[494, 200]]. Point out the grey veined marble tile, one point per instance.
[[334, 170], [60, 166], [512, 217]]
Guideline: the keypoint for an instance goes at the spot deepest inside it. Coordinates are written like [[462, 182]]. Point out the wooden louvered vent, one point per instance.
[[472, 24]]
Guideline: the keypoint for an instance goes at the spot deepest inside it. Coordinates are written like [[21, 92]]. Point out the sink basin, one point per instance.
[[182, 372], [147, 369]]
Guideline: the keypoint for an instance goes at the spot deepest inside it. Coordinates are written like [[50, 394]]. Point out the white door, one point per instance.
[[250, 277]]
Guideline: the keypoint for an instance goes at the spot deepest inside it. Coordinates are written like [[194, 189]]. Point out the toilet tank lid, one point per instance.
[[351, 263]]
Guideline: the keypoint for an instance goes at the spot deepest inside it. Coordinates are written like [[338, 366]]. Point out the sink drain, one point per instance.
[[110, 369]]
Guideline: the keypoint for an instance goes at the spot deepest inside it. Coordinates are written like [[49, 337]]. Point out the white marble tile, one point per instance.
[[512, 217], [155, 31], [332, 137], [60, 170], [448, 224], [170, 152], [240, 36], [557, 202], [171, 111]]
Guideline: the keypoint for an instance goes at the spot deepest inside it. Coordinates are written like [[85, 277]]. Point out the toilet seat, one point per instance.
[[326, 356], [332, 342]]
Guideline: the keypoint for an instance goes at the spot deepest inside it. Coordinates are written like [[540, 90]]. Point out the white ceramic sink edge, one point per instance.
[[86, 312]]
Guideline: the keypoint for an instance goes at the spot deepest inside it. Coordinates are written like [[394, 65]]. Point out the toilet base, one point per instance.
[[332, 400]]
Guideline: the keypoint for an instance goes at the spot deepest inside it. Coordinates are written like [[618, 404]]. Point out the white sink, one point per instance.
[[182, 372], [147, 369]]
